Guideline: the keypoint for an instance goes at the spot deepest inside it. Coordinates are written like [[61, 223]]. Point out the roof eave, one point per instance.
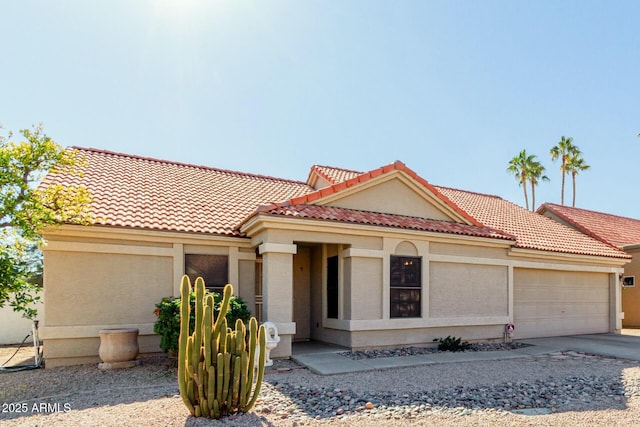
[[264, 220], [570, 257]]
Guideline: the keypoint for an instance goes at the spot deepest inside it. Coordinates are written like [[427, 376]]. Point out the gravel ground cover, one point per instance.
[[567, 388], [413, 351]]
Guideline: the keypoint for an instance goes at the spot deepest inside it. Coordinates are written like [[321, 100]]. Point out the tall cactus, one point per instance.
[[215, 363]]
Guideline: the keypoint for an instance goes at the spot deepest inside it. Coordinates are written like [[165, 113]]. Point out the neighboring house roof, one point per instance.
[[615, 230], [139, 192], [132, 191]]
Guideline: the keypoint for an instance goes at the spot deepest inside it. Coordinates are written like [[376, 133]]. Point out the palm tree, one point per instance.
[[536, 171], [519, 166], [576, 164], [563, 150]]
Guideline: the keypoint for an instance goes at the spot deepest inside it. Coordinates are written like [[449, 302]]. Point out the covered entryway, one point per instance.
[[302, 293], [549, 303]]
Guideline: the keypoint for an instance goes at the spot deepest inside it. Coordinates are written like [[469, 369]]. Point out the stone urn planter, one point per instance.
[[118, 348]]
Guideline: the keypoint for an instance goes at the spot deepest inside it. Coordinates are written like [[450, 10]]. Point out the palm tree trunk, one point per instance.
[[533, 197], [562, 169], [573, 176], [524, 187]]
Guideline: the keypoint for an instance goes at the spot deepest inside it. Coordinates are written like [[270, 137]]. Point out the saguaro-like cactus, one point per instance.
[[216, 363]]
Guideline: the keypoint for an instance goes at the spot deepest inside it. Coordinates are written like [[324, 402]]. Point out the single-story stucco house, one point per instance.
[[380, 258], [617, 231]]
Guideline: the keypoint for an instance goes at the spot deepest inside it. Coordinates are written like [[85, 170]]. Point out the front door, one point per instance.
[[302, 293]]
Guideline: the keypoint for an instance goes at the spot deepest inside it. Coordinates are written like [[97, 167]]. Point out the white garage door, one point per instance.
[[553, 303]]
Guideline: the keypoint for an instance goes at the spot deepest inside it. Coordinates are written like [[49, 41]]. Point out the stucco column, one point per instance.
[[615, 298], [277, 292]]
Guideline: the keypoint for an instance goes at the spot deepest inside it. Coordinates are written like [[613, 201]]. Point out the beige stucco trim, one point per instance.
[[281, 248], [121, 233], [178, 267], [286, 328], [106, 248], [389, 324], [467, 260], [510, 284], [362, 253], [88, 331]]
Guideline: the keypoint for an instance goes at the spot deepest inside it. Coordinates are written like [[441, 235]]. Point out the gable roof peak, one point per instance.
[[356, 179]]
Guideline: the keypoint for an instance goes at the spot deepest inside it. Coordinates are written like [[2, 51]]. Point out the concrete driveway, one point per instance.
[[612, 345]]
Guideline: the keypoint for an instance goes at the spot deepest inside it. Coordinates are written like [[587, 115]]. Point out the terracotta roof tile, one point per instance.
[[333, 175], [532, 231], [132, 191], [331, 213], [612, 229], [366, 176], [138, 192]]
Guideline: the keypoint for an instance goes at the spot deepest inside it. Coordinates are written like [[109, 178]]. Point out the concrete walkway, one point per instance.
[[325, 359]]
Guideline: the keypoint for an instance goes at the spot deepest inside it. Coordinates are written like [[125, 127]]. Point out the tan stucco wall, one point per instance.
[[104, 289], [463, 290], [366, 288], [394, 197], [631, 296], [438, 248], [75, 351], [97, 279], [422, 336], [246, 285]]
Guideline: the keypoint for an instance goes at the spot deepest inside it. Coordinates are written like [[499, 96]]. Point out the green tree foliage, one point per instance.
[[518, 166], [168, 313], [575, 165], [535, 174], [527, 170], [25, 208], [562, 150]]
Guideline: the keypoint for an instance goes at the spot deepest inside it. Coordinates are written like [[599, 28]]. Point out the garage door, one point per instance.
[[552, 303]]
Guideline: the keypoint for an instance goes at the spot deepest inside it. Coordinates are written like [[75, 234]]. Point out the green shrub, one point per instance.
[[452, 344], [168, 313]]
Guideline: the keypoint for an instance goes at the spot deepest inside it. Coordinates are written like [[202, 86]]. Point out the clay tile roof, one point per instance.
[[139, 192], [334, 175], [615, 230], [532, 231], [337, 214], [132, 191], [366, 176]]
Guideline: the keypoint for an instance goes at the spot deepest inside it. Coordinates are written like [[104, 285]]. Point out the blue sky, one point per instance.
[[452, 89]]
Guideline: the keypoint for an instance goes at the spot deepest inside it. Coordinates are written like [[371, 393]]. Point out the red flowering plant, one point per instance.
[[168, 317]]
